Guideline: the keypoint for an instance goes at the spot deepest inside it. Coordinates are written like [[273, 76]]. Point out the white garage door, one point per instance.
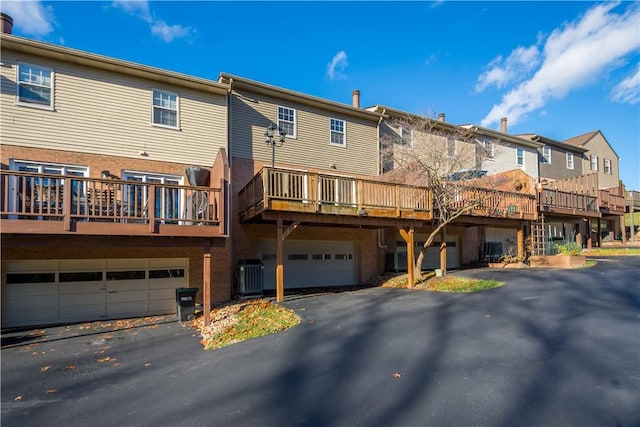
[[432, 256], [310, 263], [47, 292]]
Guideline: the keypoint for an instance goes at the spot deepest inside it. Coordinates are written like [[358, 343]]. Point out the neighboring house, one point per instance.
[[508, 165], [600, 158], [315, 190], [101, 217], [557, 160]]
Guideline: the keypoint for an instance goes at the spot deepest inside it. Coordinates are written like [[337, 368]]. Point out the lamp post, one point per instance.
[[269, 139]]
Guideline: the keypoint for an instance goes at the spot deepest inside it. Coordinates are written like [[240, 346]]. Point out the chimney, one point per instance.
[[441, 117], [7, 23], [355, 98], [503, 125]]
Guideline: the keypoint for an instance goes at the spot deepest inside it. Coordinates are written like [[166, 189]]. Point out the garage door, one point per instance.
[[504, 240], [310, 263], [47, 292], [432, 256]]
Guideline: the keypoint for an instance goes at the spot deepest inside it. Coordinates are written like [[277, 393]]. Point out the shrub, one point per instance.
[[569, 248]]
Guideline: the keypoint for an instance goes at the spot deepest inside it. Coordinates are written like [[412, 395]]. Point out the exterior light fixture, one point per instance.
[[270, 140]]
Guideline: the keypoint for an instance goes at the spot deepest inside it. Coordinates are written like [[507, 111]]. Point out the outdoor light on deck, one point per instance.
[[269, 139]]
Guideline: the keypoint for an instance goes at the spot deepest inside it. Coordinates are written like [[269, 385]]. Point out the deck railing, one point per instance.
[[495, 203], [289, 190], [568, 202], [613, 203], [75, 199]]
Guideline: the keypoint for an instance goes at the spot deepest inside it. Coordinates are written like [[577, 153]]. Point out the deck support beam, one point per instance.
[[520, 242], [281, 235], [443, 250], [408, 236], [206, 285]]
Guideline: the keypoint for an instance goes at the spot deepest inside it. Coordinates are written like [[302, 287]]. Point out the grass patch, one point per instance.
[[446, 283], [235, 322], [611, 251]]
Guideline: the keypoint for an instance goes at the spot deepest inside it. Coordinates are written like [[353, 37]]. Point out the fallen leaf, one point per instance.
[[70, 367], [397, 375], [104, 359], [45, 368], [487, 315], [51, 390], [18, 398], [147, 364], [116, 364]]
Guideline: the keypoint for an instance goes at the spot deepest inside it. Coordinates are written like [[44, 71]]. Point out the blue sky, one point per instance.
[[559, 69]]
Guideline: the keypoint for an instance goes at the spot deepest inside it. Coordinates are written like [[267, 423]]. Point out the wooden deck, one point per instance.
[[318, 196], [33, 203], [611, 203], [553, 201]]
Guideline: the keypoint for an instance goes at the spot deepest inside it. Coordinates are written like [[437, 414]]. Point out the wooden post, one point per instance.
[[206, 284], [408, 237], [520, 243], [443, 250], [631, 214], [599, 237], [579, 234], [589, 234], [279, 262], [623, 229]]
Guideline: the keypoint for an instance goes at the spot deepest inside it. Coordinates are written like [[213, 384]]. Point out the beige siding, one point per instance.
[[107, 113], [506, 159], [598, 146], [251, 114]]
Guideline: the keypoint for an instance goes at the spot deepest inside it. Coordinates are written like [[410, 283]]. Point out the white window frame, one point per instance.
[[451, 142], [406, 137], [287, 111], [546, 154], [335, 130], [594, 162], [520, 157], [176, 110], [489, 149], [151, 177], [607, 166], [570, 164], [36, 83]]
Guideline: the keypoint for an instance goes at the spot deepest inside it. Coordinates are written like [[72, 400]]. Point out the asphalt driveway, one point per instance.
[[551, 348]]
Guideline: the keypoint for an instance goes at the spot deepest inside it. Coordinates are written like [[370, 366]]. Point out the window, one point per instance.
[[35, 86], [337, 132], [165, 109], [321, 257], [405, 136], [46, 188], [607, 166], [343, 256], [594, 163], [287, 120], [297, 257], [520, 157], [546, 155], [168, 200], [451, 147], [570, 161], [489, 149]]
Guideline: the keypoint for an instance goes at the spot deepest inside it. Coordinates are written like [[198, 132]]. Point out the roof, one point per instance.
[[502, 136], [548, 141], [582, 140], [238, 82], [79, 57], [391, 112]]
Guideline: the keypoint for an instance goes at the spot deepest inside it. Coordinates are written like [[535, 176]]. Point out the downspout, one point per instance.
[[380, 230]]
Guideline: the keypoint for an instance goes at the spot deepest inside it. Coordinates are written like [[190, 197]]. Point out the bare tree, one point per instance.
[[423, 151]]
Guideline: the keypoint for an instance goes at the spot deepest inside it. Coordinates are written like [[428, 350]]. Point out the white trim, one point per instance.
[[294, 124], [26, 103], [518, 157], [569, 161], [593, 159], [153, 108], [607, 162], [343, 132], [546, 159]]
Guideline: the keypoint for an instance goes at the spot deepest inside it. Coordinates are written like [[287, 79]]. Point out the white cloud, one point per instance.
[[137, 8], [573, 56], [628, 90], [337, 65], [159, 28], [30, 17], [503, 72]]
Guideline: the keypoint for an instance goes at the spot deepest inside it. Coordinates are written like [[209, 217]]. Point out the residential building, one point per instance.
[[114, 181]]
